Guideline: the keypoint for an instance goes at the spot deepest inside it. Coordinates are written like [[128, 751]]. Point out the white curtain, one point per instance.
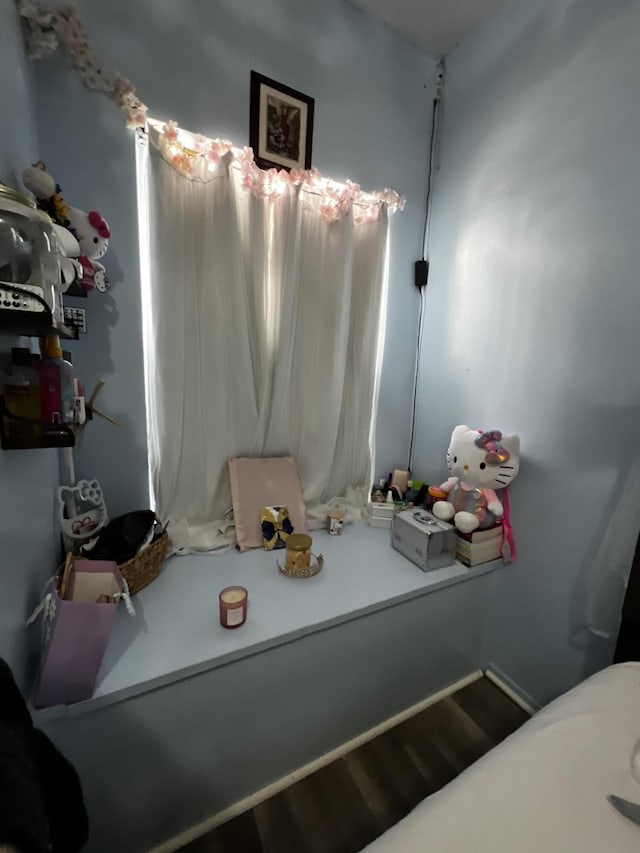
[[262, 334]]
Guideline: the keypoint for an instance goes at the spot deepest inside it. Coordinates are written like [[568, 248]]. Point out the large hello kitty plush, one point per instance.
[[481, 463], [89, 229]]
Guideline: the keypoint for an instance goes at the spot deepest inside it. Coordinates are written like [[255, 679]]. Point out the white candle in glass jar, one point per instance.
[[233, 606]]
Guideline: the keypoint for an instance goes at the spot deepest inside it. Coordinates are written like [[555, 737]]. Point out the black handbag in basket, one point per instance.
[[123, 536]]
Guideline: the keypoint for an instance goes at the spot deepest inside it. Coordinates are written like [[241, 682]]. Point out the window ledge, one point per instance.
[[176, 632]]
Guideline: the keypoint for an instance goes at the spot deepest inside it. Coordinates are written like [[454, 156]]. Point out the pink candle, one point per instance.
[[233, 606]]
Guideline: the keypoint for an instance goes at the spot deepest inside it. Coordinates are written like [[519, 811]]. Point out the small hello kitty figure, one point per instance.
[[481, 463]]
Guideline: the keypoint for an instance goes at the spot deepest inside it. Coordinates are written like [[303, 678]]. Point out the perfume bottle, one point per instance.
[[56, 383]]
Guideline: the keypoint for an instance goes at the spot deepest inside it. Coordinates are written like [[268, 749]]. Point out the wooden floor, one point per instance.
[[347, 804]]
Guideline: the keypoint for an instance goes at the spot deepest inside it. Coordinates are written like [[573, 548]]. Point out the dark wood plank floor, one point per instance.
[[347, 804]]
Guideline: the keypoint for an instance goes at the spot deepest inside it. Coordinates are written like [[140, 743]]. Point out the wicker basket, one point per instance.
[[140, 570]]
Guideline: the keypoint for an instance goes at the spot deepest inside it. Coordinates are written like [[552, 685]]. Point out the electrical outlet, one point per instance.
[[76, 318]]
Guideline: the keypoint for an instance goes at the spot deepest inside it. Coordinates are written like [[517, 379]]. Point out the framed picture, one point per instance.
[[280, 126]]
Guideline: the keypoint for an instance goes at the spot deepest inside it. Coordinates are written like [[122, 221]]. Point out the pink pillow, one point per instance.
[[256, 483]]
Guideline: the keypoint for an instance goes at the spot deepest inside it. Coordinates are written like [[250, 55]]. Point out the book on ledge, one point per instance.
[[473, 554], [472, 562], [480, 546], [485, 535]]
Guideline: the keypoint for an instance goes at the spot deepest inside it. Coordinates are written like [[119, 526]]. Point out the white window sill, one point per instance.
[[176, 631]]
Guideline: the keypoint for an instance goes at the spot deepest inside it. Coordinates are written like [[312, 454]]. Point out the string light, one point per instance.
[[337, 200], [45, 29]]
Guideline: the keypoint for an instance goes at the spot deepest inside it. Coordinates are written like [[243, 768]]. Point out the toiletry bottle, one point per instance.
[[79, 410], [56, 383], [22, 395], [67, 389]]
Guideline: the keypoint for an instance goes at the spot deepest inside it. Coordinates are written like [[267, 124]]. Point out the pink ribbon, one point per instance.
[[99, 224], [508, 542], [490, 441]]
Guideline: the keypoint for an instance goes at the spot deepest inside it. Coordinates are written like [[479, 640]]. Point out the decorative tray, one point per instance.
[[304, 572]]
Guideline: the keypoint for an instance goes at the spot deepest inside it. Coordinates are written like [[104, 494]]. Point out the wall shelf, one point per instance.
[[33, 325], [18, 318], [64, 438], [52, 435]]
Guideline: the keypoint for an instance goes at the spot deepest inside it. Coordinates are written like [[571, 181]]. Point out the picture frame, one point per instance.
[[280, 125]]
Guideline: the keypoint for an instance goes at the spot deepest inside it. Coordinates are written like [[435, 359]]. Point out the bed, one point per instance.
[[544, 789]]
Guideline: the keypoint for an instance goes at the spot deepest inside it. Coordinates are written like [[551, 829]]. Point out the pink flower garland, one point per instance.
[[337, 200], [45, 30]]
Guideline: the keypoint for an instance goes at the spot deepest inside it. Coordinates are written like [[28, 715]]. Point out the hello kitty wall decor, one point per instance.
[[89, 229], [481, 463]]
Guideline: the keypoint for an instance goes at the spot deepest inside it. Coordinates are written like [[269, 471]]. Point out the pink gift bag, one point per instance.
[[78, 618]]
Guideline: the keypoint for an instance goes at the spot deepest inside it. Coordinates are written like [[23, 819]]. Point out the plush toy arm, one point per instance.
[[99, 278], [493, 503], [450, 483]]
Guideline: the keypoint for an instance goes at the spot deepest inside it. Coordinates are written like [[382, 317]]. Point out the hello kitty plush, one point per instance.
[[89, 229], [92, 233], [481, 463]]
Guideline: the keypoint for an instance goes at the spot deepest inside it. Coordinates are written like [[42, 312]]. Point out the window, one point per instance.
[[263, 303]]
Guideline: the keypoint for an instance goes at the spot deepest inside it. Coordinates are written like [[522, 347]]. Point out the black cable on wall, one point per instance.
[[422, 270]]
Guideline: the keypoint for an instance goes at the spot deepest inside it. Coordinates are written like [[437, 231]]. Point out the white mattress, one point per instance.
[[543, 790]]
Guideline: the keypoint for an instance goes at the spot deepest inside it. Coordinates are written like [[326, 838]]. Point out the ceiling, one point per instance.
[[434, 26]]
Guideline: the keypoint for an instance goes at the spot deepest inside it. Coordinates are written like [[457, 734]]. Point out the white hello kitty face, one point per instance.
[[92, 232], [97, 246], [485, 460]]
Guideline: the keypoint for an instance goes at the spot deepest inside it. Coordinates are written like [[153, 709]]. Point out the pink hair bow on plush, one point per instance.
[[97, 222], [490, 441]]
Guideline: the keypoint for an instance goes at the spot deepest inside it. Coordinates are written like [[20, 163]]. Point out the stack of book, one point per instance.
[[478, 547], [380, 514]]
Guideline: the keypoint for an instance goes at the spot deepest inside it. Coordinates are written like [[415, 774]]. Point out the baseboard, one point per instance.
[[511, 689], [263, 794]]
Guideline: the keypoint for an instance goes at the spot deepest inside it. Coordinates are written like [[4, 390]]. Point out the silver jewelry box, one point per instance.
[[424, 539]]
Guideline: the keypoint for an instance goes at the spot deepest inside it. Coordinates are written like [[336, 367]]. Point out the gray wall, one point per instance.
[[18, 140], [28, 543], [533, 305], [191, 62]]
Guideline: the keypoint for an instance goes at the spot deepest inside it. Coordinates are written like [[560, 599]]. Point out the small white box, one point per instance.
[[382, 510], [424, 539], [380, 515], [379, 522]]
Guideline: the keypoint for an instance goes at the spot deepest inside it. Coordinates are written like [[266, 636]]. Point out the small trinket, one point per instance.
[[335, 522]]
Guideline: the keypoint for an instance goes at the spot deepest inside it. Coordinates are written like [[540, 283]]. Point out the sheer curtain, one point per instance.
[[261, 326]]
